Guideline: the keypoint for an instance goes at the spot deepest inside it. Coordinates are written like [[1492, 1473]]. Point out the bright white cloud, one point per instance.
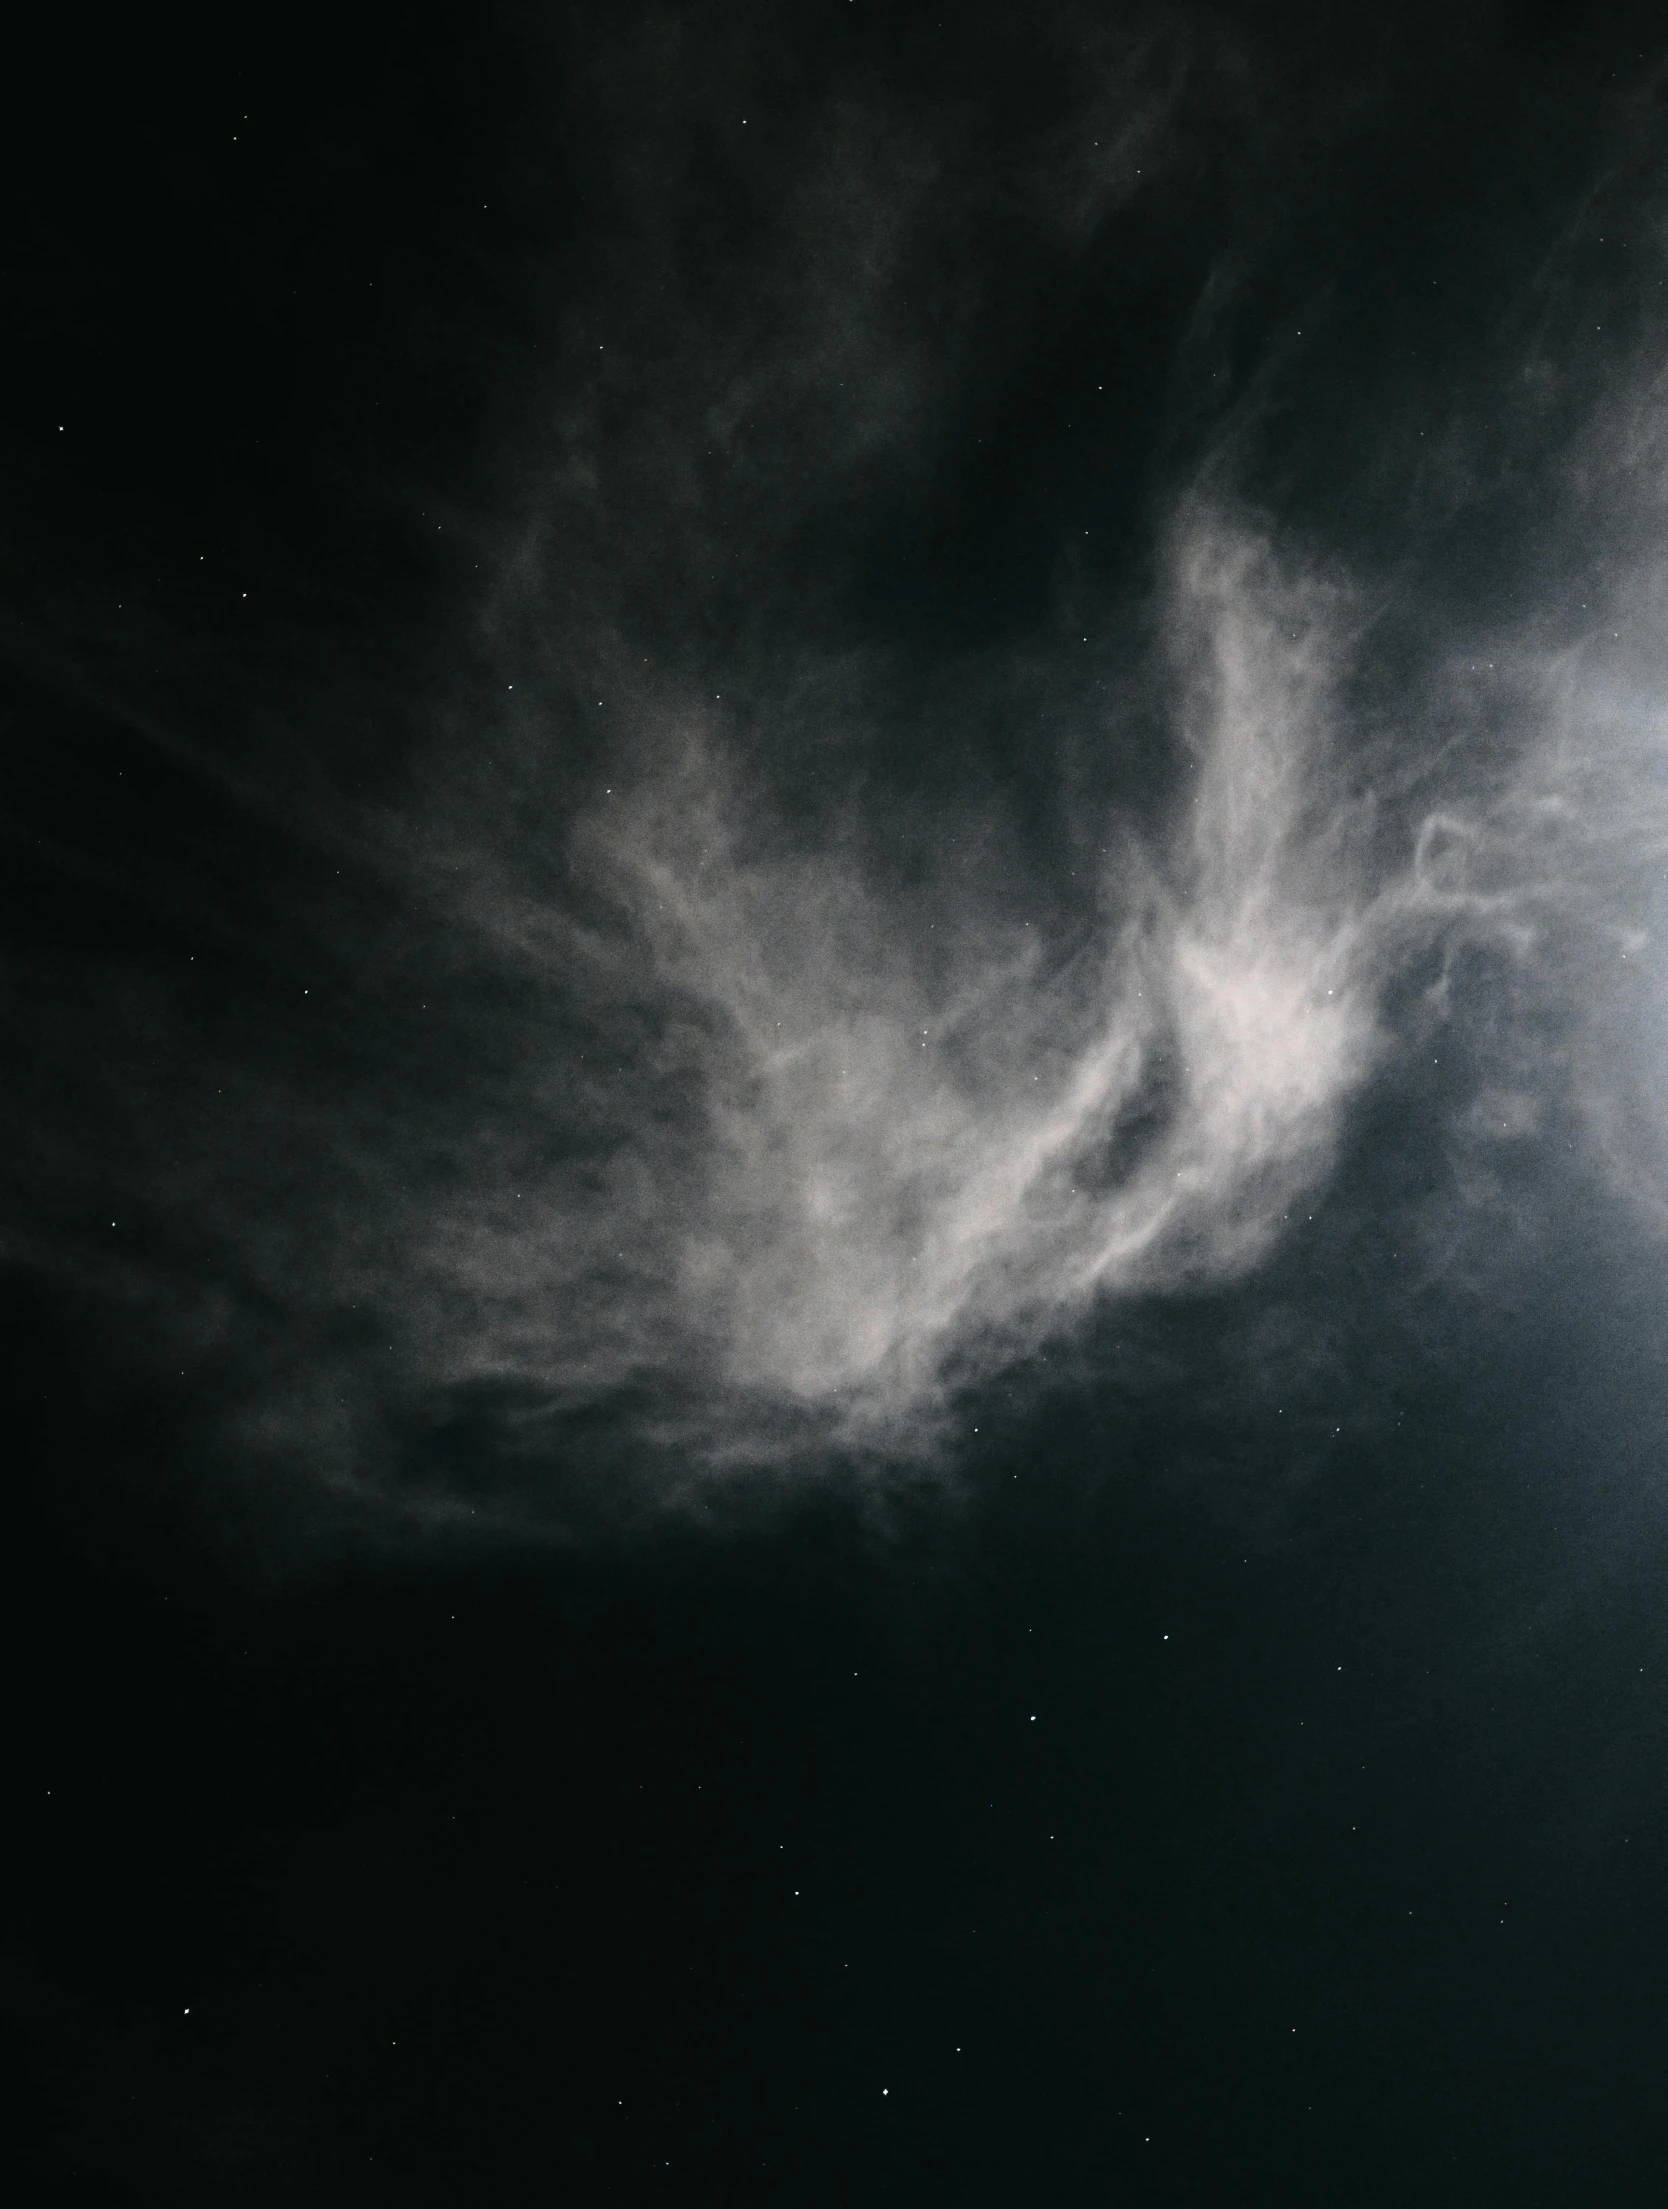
[[852, 1143]]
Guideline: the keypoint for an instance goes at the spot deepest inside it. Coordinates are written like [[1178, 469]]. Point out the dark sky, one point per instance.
[[835, 1161]]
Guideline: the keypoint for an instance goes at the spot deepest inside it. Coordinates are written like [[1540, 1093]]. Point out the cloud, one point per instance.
[[755, 1026], [794, 1147], [781, 1151]]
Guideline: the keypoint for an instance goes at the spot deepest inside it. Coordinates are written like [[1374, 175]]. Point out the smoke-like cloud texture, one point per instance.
[[864, 903]]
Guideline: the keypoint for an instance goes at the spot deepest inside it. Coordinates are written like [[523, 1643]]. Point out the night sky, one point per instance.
[[834, 983]]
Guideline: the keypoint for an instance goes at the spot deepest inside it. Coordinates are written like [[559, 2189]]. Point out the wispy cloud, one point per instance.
[[718, 1102], [786, 1152]]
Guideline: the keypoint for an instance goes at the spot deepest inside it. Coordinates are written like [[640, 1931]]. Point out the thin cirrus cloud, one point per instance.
[[820, 1151], [696, 1121], [731, 1152], [902, 1144]]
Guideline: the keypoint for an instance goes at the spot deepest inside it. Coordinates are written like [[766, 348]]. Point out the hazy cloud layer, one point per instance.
[[780, 1153], [719, 1097]]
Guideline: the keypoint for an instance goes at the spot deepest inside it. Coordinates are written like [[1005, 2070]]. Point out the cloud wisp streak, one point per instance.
[[710, 1110], [910, 1137], [786, 1154]]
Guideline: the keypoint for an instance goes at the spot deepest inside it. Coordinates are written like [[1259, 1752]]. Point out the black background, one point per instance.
[[1206, 1802]]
